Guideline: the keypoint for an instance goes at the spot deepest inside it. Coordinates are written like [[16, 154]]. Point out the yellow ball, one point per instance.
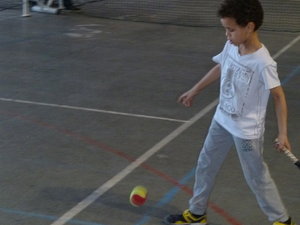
[[138, 196]]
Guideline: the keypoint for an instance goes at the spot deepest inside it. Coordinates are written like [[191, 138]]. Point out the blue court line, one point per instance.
[[44, 217], [167, 197], [163, 201], [295, 72]]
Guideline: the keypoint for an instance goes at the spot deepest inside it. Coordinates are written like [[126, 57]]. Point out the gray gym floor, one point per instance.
[[82, 98]]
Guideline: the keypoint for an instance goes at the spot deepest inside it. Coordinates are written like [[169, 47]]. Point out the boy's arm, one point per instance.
[[187, 98], [281, 114]]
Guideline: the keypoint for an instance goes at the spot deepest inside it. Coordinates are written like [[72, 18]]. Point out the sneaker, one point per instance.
[[288, 222], [186, 218]]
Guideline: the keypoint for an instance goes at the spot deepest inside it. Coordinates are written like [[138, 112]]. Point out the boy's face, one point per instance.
[[235, 33]]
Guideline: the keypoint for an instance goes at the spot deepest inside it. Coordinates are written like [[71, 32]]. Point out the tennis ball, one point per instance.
[[138, 196]]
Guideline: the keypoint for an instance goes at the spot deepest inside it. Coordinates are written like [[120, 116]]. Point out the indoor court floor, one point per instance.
[[88, 111]]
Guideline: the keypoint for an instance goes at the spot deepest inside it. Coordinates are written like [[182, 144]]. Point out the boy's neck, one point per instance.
[[251, 45]]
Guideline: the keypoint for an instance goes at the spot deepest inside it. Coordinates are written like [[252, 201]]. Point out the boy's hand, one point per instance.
[[282, 142], [187, 98]]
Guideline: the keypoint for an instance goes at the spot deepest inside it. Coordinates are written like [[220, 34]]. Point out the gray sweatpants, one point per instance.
[[217, 144]]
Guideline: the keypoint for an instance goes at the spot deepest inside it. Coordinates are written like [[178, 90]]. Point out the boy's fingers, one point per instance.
[[280, 146], [179, 100], [187, 103]]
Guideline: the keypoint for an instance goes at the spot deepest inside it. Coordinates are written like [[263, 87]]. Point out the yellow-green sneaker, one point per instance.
[[288, 222], [186, 218]]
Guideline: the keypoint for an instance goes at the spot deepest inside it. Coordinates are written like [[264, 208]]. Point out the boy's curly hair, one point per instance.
[[243, 11]]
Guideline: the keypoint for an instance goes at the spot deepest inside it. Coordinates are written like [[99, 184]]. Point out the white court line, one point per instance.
[[286, 47], [91, 110], [126, 171], [132, 166]]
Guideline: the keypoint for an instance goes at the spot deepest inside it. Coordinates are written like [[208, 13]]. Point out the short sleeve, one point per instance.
[[219, 58], [270, 77]]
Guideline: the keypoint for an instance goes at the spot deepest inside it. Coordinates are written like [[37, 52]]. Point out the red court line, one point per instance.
[[121, 154]]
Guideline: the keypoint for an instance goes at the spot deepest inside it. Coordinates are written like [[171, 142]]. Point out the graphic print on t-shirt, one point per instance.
[[235, 83]]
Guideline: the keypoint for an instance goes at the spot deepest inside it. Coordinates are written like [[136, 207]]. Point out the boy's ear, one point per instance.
[[251, 26]]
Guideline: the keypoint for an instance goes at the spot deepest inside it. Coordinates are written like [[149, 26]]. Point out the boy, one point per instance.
[[248, 75]]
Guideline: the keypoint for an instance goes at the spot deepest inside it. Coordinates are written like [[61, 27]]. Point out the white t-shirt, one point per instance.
[[245, 88]]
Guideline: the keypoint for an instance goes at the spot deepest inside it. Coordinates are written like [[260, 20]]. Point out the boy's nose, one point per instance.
[[227, 34]]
